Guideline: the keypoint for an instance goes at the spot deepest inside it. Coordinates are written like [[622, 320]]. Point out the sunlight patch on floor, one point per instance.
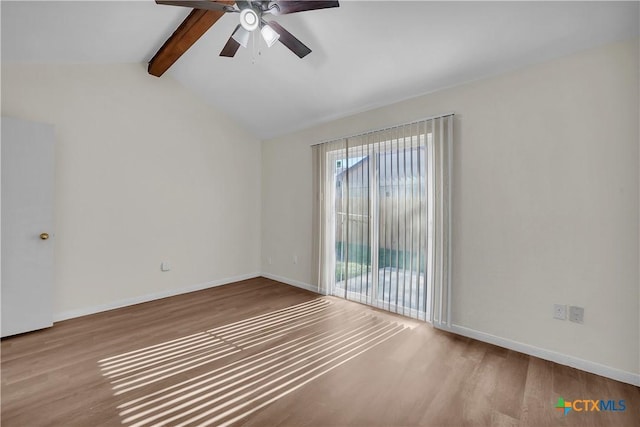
[[309, 346]]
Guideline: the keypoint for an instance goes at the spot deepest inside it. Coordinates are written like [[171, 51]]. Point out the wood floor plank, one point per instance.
[[538, 395], [478, 391], [509, 391], [261, 353]]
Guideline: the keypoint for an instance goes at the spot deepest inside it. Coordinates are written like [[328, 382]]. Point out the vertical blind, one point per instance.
[[381, 218]]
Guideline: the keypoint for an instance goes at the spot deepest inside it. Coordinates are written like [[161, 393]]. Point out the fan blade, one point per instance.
[[288, 39], [229, 50], [195, 4], [284, 7]]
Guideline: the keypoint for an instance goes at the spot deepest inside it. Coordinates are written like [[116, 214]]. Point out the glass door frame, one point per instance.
[[424, 144]]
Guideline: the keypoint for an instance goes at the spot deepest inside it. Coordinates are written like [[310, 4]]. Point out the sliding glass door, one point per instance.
[[381, 214]]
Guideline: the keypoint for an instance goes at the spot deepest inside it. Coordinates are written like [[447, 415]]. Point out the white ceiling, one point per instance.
[[365, 53]]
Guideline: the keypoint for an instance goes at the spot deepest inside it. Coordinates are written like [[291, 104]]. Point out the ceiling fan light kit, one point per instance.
[[269, 35], [252, 15], [249, 19], [241, 35]]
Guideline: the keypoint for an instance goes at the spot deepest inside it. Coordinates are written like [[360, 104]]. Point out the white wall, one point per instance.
[[545, 199], [145, 172]]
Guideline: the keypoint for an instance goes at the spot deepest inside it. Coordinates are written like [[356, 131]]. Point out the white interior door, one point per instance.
[[27, 151]]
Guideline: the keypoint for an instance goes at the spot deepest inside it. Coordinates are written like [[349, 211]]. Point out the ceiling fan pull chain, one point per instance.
[[253, 47]]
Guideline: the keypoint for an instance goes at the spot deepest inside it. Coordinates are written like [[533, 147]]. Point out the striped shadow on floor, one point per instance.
[[221, 375]]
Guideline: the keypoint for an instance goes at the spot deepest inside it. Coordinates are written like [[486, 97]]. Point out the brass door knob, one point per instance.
[[44, 236]]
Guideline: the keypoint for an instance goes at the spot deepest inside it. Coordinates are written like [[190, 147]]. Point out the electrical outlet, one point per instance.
[[295, 259], [164, 266], [559, 311], [270, 261], [576, 314]]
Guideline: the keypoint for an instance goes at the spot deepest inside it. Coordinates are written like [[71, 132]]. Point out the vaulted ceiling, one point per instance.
[[365, 53]]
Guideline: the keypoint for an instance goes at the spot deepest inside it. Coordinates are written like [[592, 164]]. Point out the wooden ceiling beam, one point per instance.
[[191, 29]]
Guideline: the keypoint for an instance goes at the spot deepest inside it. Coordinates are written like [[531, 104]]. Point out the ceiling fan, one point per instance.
[[252, 17]]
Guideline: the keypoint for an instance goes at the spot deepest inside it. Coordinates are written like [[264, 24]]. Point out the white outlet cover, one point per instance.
[[559, 311], [164, 266], [576, 314]]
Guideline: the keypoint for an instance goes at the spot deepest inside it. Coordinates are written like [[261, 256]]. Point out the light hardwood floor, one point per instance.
[[261, 353]]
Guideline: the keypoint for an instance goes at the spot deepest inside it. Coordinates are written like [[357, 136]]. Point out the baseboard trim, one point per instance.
[[562, 359], [70, 314], [291, 282]]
